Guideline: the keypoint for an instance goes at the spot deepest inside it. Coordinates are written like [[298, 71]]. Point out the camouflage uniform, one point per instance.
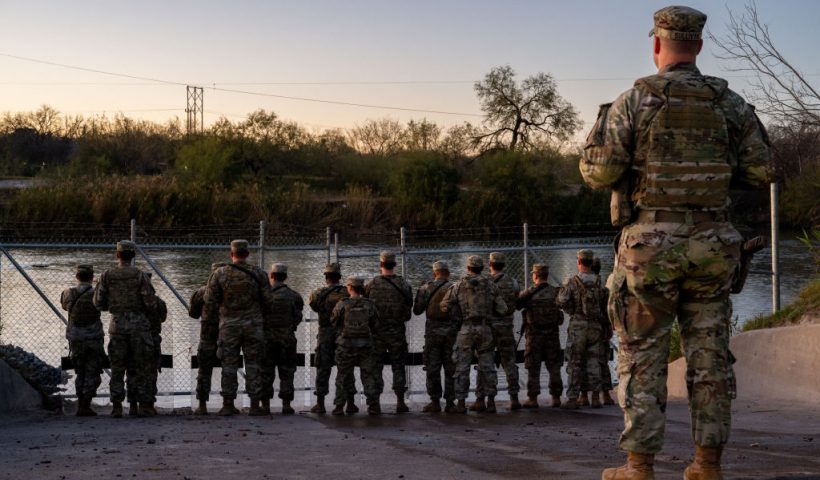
[[474, 299], [240, 292], [542, 317], [323, 301], [85, 336], [439, 338], [156, 319], [673, 144], [581, 298], [606, 352], [393, 298], [280, 339], [208, 336], [356, 320], [126, 292]]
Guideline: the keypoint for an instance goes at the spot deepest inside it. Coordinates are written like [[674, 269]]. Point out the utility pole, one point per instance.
[[195, 110]]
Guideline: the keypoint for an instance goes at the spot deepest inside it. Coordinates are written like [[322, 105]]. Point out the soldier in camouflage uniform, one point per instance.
[[206, 350], [356, 319], [474, 301], [503, 335], [323, 301], [394, 299], [85, 338], [670, 148], [156, 318], [606, 353], [280, 339], [582, 298], [439, 338], [242, 295], [542, 317], [126, 292]]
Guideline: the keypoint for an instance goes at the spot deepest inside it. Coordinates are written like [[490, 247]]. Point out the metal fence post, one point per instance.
[[327, 243], [526, 256], [336, 246], [262, 229], [775, 220], [134, 238], [403, 252]]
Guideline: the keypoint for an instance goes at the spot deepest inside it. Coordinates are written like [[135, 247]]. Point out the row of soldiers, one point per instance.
[[245, 313]]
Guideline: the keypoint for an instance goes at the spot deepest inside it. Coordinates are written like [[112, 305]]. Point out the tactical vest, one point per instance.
[[331, 296], [590, 299], [687, 164], [240, 291], [474, 298], [356, 319], [434, 303], [124, 285], [542, 312], [508, 287], [83, 313], [282, 313], [390, 302]]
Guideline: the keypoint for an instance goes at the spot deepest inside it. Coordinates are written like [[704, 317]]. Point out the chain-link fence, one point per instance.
[[38, 262]]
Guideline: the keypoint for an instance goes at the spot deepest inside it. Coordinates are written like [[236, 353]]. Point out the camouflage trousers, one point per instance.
[[153, 372], [478, 340], [606, 373], [543, 346], [665, 271], [347, 358], [504, 340], [438, 355], [87, 357], [583, 354], [135, 352], [280, 354], [206, 355], [394, 345], [248, 339], [325, 359]]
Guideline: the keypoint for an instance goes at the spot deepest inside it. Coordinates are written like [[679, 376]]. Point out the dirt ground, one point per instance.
[[767, 443]]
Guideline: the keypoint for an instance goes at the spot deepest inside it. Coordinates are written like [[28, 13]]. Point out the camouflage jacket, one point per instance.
[[393, 298], [428, 301], [583, 298], [127, 292], [541, 313], [83, 317], [474, 299], [509, 288], [240, 292], [323, 301], [196, 307], [616, 149], [361, 334], [286, 310]]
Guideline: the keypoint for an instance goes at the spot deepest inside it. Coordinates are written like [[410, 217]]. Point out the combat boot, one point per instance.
[[596, 400], [265, 405], [570, 404], [460, 407], [478, 405], [133, 409], [401, 407], [556, 401], [531, 402], [227, 408], [706, 465], [286, 408], [608, 398], [84, 407], [202, 409], [583, 400], [638, 467], [374, 408], [351, 405], [320, 405], [146, 409], [491, 405], [256, 409], [450, 407], [433, 407], [338, 410], [514, 403], [116, 410]]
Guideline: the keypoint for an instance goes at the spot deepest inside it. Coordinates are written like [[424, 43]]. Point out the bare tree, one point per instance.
[[517, 116], [422, 135], [779, 88], [383, 137]]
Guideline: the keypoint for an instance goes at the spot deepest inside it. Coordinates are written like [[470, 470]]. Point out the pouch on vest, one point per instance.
[[357, 322]]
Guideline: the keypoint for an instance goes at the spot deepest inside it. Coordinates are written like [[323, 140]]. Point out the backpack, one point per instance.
[[590, 299]]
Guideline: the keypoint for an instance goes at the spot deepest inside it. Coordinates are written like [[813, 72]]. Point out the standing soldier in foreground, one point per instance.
[[542, 317], [394, 299], [474, 300], [280, 339], [583, 299], [206, 350], [356, 319], [439, 338], [241, 293], [503, 335], [85, 338], [126, 292], [670, 147], [323, 301]]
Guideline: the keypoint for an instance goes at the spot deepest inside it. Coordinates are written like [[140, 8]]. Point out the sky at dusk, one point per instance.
[[421, 55]]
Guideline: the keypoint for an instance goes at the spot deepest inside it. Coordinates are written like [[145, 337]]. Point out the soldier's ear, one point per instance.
[[656, 46], [700, 46]]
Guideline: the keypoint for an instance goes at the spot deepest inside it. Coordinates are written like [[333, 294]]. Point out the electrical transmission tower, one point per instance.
[[195, 110]]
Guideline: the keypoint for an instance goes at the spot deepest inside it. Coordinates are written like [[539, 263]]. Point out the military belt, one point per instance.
[[668, 216]]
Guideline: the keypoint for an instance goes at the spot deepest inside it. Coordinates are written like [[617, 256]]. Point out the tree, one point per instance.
[[383, 137], [421, 136], [517, 116]]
